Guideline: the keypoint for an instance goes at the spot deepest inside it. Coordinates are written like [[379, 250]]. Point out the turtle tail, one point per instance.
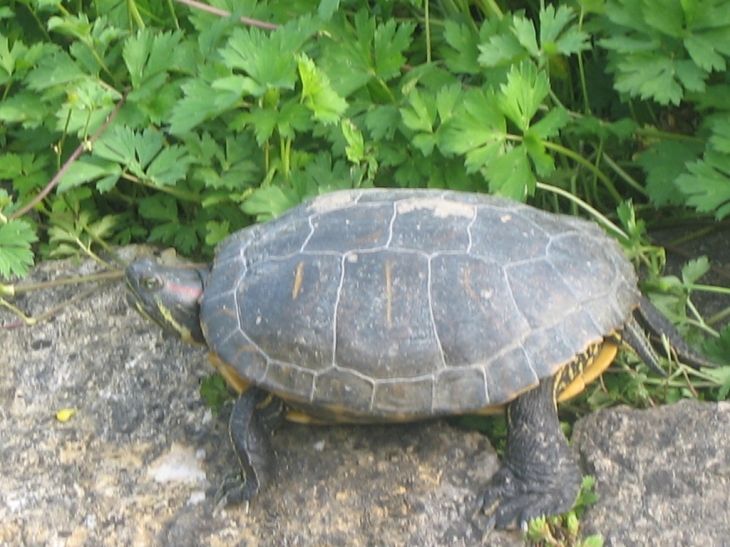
[[644, 331]]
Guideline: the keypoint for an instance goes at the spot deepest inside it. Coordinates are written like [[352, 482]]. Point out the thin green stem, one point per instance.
[[707, 288], [491, 6], [134, 13], [285, 145], [193, 197], [588, 165], [41, 25], [654, 133], [29, 321], [582, 73], [171, 7], [12, 290], [631, 181], [600, 218], [427, 14]]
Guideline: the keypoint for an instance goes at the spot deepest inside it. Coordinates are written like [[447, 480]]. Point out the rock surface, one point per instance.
[[140, 460], [663, 475]]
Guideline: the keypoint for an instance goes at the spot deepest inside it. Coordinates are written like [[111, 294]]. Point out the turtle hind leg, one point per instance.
[[539, 474], [254, 416]]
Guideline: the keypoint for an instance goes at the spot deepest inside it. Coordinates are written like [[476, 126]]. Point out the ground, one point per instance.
[[139, 461]]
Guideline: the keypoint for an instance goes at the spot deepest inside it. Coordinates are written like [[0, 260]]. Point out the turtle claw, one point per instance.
[[510, 502], [234, 489]]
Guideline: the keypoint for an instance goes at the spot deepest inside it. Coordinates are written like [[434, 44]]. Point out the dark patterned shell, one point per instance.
[[397, 304]]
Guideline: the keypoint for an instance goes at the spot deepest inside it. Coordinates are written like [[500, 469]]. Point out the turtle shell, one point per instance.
[[401, 304]]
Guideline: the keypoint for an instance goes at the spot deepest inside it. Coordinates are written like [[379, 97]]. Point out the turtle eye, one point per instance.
[[151, 283]]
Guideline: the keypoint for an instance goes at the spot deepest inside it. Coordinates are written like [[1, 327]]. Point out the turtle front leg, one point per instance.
[[254, 416], [539, 474]]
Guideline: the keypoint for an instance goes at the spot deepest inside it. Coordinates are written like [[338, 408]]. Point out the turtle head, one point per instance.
[[168, 296]]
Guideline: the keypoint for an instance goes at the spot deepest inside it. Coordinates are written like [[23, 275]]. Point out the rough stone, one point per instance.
[[140, 460], [663, 475]]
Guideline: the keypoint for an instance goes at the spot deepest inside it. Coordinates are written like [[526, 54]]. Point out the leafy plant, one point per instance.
[[168, 123], [210, 121], [16, 237], [564, 530], [161, 122]]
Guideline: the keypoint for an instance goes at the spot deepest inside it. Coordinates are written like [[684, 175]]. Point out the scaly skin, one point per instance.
[[254, 416], [539, 474]]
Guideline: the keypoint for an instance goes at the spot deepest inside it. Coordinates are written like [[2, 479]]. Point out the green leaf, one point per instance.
[[86, 170], [691, 76], [707, 185], [355, 142], [595, 540], [169, 166], [229, 164], [477, 129], [718, 349], [543, 162], [649, 76], [352, 59], [524, 31], [24, 107], [519, 40], [666, 17], [382, 121], [502, 49], [634, 228], [317, 93], [523, 94], [461, 57], [54, 70], [289, 119], [694, 269], [263, 121], [88, 104], [555, 33], [16, 256], [268, 202], [149, 53], [447, 100], [215, 232], [389, 43], [199, 104], [293, 118], [551, 124], [703, 53], [661, 163], [510, 175], [420, 114], [144, 154], [183, 237], [72, 25], [102, 228], [13, 61], [28, 172], [214, 391], [425, 143], [268, 58], [327, 8], [720, 138], [161, 207], [661, 49], [322, 175]]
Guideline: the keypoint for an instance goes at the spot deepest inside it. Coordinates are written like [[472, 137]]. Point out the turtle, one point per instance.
[[395, 305]]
